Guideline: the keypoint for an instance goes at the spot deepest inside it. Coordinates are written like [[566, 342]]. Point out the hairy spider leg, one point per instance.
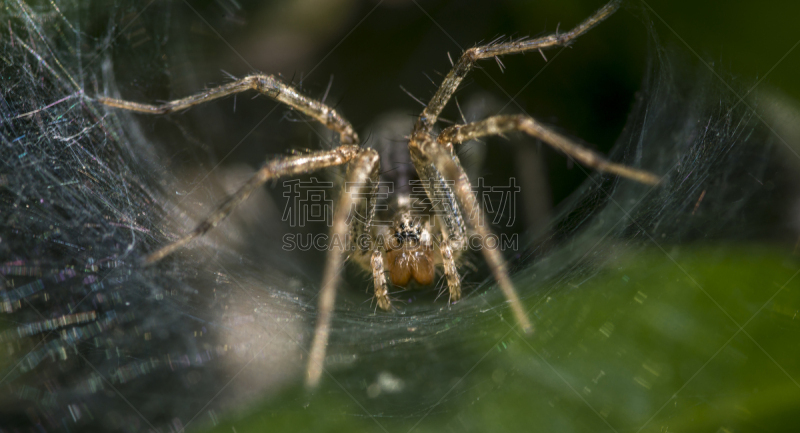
[[428, 155], [450, 269], [268, 85], [379, 280], [363, 173], [280, 167], [471, 56], [502, 124]]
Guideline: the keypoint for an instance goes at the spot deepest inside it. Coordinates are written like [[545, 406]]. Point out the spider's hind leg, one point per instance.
[[451, 82]]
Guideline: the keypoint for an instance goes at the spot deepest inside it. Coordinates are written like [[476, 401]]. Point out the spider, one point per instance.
[[412, 245]]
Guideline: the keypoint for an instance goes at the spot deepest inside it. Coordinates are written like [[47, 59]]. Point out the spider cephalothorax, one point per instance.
[[413, 245], [407, 229]]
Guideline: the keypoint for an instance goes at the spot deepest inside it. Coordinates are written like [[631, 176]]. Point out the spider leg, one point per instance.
[[450, 270], [502, 124], [471, 56], [267, 85], [362, 171], [379, 279], [270, 170], [430, 156]]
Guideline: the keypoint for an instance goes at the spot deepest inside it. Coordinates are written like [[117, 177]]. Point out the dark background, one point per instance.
[[586, 91]]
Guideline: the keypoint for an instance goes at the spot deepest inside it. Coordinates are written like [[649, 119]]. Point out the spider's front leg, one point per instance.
[[437, 163], [362, 176], [274, 88], [451, 82], [268, 85]]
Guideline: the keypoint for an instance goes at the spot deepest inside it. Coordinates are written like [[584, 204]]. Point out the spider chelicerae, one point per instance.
[[413, 244]]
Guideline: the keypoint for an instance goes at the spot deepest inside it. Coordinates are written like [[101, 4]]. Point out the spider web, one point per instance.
[[96, 342]]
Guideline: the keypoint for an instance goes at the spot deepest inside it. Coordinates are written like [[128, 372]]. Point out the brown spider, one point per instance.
[[413, 244]]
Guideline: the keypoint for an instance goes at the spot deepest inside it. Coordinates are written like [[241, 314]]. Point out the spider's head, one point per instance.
[[407, 232], [409, 252]]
